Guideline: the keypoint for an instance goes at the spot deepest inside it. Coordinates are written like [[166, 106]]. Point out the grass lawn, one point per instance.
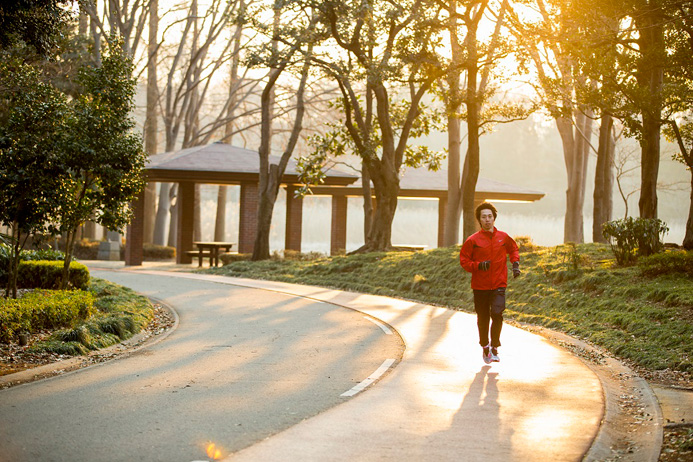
[[646, 320]]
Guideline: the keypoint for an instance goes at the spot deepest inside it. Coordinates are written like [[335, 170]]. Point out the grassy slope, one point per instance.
[[648, 321]]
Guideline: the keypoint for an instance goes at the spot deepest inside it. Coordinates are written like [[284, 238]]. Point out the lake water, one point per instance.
[[416, 223]]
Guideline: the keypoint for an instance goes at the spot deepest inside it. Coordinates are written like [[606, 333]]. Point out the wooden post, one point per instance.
[[338, 232], [247, 223], [294, 220], [186, 219], [135, 233]]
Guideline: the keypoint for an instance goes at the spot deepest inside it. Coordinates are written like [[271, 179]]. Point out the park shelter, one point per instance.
[[224, 164]]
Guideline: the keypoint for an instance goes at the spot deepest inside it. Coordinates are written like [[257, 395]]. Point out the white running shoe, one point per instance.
[[486, 352], [493, 355]]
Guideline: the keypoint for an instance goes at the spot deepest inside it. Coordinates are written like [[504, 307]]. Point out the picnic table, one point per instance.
[[212, 250]]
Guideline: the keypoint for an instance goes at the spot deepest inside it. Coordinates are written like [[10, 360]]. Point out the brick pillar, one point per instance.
[[247, 223], [339, 223], [186, 217], [442, 209], [294, 220], [135, 233]]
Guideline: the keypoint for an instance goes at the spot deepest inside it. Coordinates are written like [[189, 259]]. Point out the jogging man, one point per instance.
[[484, 254]]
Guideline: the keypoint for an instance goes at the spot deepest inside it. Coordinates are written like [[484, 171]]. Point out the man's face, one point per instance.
[[486, 220]]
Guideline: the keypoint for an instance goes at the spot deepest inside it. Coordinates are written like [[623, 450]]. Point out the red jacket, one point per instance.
[[482, 246]]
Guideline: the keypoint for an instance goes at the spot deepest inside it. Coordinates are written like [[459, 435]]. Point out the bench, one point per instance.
[[196, 254], [209, 250]]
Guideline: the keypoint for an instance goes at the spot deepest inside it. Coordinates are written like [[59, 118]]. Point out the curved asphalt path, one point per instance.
[[241, 374], [242, 365]]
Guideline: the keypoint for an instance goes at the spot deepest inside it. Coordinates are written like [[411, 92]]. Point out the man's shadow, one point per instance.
[[476, 426]]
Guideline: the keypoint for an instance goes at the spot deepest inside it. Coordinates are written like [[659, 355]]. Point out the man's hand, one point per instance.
[[516, 269], [485, 265]]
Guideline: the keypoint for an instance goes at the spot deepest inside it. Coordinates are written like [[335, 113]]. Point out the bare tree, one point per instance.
[[383, 49], [475, 60], [190, 69], [544, 44], [296, 34], [220, 221], [604, 178], [125, 18], [151, 126]]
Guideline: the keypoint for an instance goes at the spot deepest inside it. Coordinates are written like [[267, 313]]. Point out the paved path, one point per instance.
[[242, 365], [441, 402]]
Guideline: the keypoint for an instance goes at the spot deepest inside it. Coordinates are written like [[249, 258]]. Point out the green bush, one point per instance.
[[42, 254], [525, 244], [631, 238], [672, 262], [227, 258], [25, 255], [153, 252], [45, 309], [47, 274], [4, 263]]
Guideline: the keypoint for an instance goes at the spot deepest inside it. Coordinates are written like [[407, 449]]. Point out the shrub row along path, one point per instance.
[[273, 371]]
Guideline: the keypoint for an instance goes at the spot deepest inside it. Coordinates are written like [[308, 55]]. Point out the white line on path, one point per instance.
[[372, 378], [385, 329]]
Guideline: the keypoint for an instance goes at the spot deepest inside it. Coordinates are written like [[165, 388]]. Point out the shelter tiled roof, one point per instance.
[[223, 163], [226, 164]]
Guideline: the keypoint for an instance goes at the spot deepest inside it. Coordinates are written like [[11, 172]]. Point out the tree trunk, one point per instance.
[[650, 76], [575, 142], [367, 194], [151, 120], [266, 201], [270, 174], [470, 174], [688, 238], [162, 214], [603, 179], [173, 211], [385, 176], [69, 249], [649, 170], [220, 219], [451, 232], [583, 136], [16, 246], [197, 224], [386, 185]]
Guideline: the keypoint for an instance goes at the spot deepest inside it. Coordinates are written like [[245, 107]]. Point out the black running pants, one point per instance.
[[489, 306]]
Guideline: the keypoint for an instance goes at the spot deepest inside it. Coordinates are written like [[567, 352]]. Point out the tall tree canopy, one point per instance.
[[102, 155], [382, 56], [38, 23]]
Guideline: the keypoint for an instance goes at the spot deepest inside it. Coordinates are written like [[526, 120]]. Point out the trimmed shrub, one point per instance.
[[227, 258], [153, 252], [46, 275], [25, 255], [672, 262], [46, 309]]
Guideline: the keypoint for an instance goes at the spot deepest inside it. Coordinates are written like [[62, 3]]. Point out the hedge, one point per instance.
[[43, 274], [44, 309], [671, 262]]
